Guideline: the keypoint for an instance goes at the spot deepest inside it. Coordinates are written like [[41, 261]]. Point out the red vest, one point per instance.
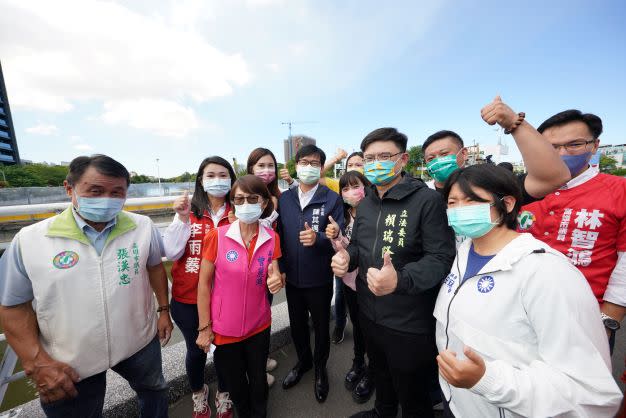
[[186, 270]]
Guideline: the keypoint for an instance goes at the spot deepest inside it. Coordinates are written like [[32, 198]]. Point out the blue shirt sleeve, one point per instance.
[[15, 285], [156, 247]]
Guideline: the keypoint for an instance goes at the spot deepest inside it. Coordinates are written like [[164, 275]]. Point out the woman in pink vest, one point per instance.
[[239, 262], [182, 242]]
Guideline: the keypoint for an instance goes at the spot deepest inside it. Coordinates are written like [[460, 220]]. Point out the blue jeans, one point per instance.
[[340, 304], [144, 373]]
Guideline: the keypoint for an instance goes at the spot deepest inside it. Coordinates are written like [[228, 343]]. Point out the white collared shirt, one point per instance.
[[587, 175], [305, 197]]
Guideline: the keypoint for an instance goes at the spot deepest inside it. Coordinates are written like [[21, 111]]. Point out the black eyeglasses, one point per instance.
[[252, 199], [574, 145], [383, 156], [314, 164]]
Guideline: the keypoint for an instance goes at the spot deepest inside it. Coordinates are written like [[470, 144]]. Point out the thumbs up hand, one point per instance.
[[284, 174], [231, 217], [461, 373], [498, 112], [340, 261], [383, 281], [182, 207], [274, 279], [332, 229], [308, 236]]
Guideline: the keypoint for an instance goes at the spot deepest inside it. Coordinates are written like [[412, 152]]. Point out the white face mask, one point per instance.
[[216, 187], [308, 174], [248, 213]]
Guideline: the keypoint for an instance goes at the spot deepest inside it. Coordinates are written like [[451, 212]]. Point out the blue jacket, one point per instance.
[[307, 266]]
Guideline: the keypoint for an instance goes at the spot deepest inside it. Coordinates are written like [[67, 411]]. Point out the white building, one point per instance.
[[617, 152]]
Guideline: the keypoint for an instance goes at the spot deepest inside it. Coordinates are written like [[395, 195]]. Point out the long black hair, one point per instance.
[[200, 201], [351, 178]]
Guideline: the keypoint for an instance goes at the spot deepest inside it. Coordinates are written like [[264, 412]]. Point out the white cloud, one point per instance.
[[43, 129], [83, 147], [58, 55], [161, 117]]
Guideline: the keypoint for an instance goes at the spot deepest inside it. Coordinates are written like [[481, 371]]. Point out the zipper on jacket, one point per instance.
[[450, 305], [106, 309], [380, 211], [245, 293]]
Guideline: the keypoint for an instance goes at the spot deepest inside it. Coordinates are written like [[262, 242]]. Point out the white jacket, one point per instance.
[[532, 317], [93, 311]]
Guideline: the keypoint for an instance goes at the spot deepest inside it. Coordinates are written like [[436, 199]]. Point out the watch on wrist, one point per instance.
[[610, 323], [163, 308]]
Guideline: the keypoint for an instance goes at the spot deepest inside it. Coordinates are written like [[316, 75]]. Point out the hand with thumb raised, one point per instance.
[[332, 229], [498, 112], [383, 281], [340, 261], [308, 236], [182, 207], [274, 280]]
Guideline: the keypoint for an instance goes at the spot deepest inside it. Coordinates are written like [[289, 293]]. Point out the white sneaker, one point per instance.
[[271, 364], [201, 403], [270, 379], [223, 405]]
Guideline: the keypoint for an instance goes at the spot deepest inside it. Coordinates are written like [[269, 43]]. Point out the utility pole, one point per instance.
[[289, 124], [159, 178]]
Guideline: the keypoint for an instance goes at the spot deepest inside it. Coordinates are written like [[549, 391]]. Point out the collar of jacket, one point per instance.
[[512, 253], [64, 226], [319, 197], [407, 186]]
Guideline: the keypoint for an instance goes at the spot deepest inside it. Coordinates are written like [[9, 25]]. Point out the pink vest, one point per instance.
[[239, 303]]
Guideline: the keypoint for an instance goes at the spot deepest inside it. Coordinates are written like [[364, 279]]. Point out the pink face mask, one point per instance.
[[353, 196], [266, 176]]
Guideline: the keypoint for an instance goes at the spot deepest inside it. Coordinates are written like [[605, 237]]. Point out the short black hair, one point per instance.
[[593, 122], [507, 165], [104, 164], [498, 181], [441, 135], [385, 134], [310, 150]]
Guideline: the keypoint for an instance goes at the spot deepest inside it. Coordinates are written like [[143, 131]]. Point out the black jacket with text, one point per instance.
[[410, 221]]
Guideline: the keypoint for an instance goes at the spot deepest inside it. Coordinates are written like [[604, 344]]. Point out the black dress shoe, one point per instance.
[[338, 335], [294, 376], [354, 375], [365, 389], [372, 413], [321, 384]]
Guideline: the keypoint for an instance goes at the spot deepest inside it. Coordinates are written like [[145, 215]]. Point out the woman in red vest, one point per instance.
[[239, 265], [182, 241]]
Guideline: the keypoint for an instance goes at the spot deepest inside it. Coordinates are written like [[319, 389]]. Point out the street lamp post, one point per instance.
[[159, 178]]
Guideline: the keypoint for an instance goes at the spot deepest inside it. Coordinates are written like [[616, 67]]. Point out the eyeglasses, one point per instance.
[[383, 156], [574, 145], [304, 163], [252, 199]]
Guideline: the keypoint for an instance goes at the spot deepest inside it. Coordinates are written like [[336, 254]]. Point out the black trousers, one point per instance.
[[242, 366], [403, 365], [350, 296], [315, 301]]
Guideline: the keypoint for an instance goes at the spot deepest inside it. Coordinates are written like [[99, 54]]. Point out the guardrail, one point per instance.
[[42, 211]]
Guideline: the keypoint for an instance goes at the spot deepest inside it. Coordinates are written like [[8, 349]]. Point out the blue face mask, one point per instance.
[[472, 221], [248, 213], [576, 163], [380, 173], [216, 187], [99, 209]]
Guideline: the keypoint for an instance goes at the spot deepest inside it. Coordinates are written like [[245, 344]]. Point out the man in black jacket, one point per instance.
[[403, 248]]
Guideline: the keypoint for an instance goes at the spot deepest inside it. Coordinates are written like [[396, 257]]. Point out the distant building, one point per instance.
[[291, 146], [8, 143], [617, 152]]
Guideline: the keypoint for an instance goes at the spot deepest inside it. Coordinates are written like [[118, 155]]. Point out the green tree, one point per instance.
[[415, 159], [35, 175], [607, 164], [140, 178]]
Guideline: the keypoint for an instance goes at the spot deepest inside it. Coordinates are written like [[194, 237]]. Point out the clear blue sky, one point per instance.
[[144, 80]]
